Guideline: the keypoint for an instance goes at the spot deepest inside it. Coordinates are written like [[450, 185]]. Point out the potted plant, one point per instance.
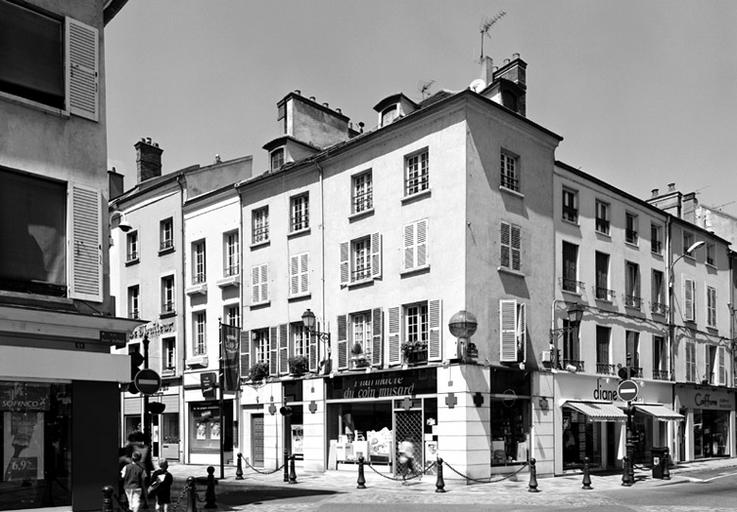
[[415, 352], [258, 371], [298, 365], [358, 358]]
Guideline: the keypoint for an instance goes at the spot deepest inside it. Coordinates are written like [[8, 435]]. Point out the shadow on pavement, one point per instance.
[[229, 496]]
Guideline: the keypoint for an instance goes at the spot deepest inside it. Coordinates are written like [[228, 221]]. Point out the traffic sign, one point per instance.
[[628, 390], [147, 381]]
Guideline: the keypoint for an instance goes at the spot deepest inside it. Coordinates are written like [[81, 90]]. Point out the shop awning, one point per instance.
[[662, 412], [598, 411]]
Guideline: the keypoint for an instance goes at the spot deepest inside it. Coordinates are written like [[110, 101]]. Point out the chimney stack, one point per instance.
[[115, 184], [655, 192], [487, 70], [671, 187], [148, 159]]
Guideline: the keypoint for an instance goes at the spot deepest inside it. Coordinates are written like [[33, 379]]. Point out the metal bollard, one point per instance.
[[292, 471], [210, 492], [586, 475], [239, 468], [286, 466], [532, 487], [626, 478], [666, 464], [361, 478], [191, 495], [439, 482], [107, 499]]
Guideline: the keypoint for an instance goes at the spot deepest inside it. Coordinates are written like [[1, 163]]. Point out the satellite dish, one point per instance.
[[477, 85]]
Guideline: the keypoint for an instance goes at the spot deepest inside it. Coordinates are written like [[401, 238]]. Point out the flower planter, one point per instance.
[[415, 357]]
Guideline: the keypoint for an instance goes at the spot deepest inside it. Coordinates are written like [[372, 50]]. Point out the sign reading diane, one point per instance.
[[628, 390], [147, 381]]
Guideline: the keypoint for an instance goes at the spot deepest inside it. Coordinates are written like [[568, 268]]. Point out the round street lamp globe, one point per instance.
[[463, 324]]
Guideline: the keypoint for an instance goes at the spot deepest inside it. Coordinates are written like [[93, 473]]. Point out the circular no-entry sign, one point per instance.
[[147, 381], [628, 390]]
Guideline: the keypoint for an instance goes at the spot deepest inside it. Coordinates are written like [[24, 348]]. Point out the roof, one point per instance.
[[314, 104], [390, 100], [111, 8], [279, 141]]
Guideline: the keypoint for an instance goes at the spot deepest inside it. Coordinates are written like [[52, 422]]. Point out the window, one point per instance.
[[711, 306], [656, 238], [299, 274], [362, 189], [711, 254], [134, 295], [630, 234], [657, 295], [690, 361], [689, 300], [232, 315], [260, 225], [361, 332], [168, 359], [602, 217], [632, 285], [510, 171], [300, 339], [199, 324], [198, 262], [48, 60], [167, 294], [603, 337], [277, 158], [570, 205], [231, 252], [687, 242], [300, 212], [131, 247], [712, 370], [360, 259], [166, 234], [510, 257], [416, 173], [259, 284], [571, 346], [415, 245], [661, 358], [415, 323], [389, 114], [261, 345], [512, 331], [570, 268], [602, 277], [632, 350]]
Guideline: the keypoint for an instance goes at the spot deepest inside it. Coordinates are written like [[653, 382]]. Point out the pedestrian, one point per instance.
[[160, 488], [133, 481]]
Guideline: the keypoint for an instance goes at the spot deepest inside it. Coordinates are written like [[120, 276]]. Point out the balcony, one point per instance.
[[658, 308], [167, 308], [166, 245], [199, 285], [633, 302], [415, 353], [602, 226], [605, 368], [604, 294], [572, 365], [260, 235], [661, 375], [571, 285], [630, 236]]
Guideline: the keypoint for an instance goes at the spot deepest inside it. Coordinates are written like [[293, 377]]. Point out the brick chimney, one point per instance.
[[115, 184], [148, 159]]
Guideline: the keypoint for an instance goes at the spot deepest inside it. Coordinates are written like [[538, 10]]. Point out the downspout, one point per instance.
[[672, 442], [183, 413], [321, 173]]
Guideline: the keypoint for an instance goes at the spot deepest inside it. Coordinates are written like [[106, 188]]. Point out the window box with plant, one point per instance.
[[259, 371], [358, 357], [415, 352], [298, 366]]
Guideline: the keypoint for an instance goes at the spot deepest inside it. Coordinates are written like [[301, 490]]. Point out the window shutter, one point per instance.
[[293, 275], [508, 331], [344, 263], [516, 247], [375, 255], [245, 353], [85, 249], [688, 299], [342, 342], [273, 352], [394, 331], [722, 369], [421, 247], [312, 352], [409, 246], [264, 282], [377, 355], [434, 348], [522, 332], [304, 273], [255, 285], [504, 258], [283, 349], [82, 69]]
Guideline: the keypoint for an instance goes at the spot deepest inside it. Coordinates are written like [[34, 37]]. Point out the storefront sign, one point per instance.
[[24, 396], [153, 329], [383, 385], [693, 398], [600, 393]]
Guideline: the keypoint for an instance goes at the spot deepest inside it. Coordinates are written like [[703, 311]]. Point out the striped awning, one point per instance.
[[598, 411], [662, 412]]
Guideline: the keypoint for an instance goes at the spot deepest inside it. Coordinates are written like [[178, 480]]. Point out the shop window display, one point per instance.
[[509, 430], [581, 438], [711, 433]]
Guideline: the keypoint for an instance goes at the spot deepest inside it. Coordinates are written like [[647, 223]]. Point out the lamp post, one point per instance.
[[575, 315], [463, 325], [313, 328]]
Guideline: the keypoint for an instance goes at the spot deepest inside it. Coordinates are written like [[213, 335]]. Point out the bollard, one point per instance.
[[239, 468], [286, 466], [292, 471], [666, 464], [361, 479], [440, 482], [107, 499], [626, 472], [210, 492], [533, 477], [191, 495], [586, 475]]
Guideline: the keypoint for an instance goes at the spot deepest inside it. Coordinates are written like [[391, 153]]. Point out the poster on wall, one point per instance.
[[297, 437], [23, 447], [201, 433], [379, 443]]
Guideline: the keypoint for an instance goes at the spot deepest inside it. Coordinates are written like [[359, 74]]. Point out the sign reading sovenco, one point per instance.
[[152, 329], [383, 385]]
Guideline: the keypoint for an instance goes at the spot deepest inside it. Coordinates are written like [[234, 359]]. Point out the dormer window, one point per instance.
[[389, 114], [277, 158]]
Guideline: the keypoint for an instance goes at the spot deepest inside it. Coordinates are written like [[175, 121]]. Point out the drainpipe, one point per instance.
[[183, 413], [321, 173], [671, 330]]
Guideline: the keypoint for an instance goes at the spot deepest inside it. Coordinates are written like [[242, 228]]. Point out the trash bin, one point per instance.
[[659, 460]]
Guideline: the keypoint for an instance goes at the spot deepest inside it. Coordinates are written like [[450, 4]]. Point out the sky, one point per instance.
[[643, 93]]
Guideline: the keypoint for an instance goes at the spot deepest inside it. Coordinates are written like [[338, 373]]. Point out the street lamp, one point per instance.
[[671, 313], [463, 325], [575, 315], [313, 329]]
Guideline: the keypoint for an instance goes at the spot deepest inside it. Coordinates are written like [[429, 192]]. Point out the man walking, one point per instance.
[[133, 482]]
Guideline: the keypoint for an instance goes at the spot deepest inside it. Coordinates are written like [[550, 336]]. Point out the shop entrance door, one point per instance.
[[408, 427], [257, 440]]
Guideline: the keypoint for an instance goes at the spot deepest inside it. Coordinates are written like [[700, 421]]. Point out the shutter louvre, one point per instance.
[[515, 247], [342, 342], [688, 294], [312, 352], [394, 352], [505, 257], [421, 246], [283, 349], [273, 352], [344, 263], [377, 355], [255, 287], [508, 331], [409, 246], [82, 56], [522, 332], [434, 349], [376, 255], [245, 353], [264, 282], [294, 275], [85, 244], [304, 277]]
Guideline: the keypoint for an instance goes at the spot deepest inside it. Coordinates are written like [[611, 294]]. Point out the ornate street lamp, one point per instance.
[[313, 329], [463, 325]]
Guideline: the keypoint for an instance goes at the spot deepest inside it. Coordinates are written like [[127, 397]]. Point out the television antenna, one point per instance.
[[485, 29], [424, 87]]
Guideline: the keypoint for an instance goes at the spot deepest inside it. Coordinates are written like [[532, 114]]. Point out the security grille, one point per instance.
[[408, 427]]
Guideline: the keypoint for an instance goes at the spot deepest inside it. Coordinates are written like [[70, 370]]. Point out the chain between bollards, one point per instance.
[[292, 471], [361, 482], [286, 466], [586, 475], [440, 481], [210, 491], [239, 468], [532, 487], [191, 495], [107, 499], [666, 464]]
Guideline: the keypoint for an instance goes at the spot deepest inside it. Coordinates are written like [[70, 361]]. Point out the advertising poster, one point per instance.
[[23, 447], [297, 437]]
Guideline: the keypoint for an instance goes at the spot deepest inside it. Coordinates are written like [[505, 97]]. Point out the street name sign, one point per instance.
[[628, 390], [147, 381]]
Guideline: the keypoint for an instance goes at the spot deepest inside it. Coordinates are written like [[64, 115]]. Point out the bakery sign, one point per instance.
[[383, 385]]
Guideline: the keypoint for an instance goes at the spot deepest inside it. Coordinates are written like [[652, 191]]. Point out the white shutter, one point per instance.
[[84, 243], [82, 82], [421, 242], [312, 352], [515, 247], [304, 273], [273, 352], [435, 327], [294, 275], [508, 331], [394, 332], [255, 285], [409, 246], [245, 353], [283, 349], [342, 342], [522, 332], [722, 368], [375, 255], [345, 255], [377, 321], [505, 256], [264, 282], [688, 299]]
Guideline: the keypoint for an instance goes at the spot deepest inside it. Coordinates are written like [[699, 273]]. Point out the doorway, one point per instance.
[[257, 440]]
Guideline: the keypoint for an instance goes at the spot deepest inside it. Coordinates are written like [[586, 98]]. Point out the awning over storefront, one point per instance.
[[598, 411], [661, 412]]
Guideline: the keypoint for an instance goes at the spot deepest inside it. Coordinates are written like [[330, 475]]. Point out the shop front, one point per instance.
[[509, 417], [205, 432], [710, 421]]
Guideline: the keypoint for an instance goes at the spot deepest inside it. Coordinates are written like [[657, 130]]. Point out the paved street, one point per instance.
[[702, 486]]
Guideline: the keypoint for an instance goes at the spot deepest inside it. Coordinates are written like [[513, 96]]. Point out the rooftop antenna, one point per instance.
[[485, 29], [424, 87]]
